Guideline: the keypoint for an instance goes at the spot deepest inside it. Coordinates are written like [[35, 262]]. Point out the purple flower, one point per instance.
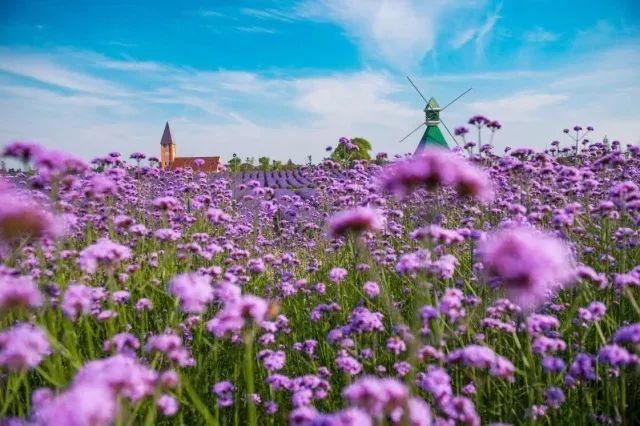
[[479, 120], [122, 374], [362, 320], [592, 313], [122, 343], [337, 275], [437, 382], [272, 360], [81, 404], [348, 364], [167, 405], [396, 345], [477, 356], [346, 417], [22, 151], [23, 346], [193, 290], [538, 324], [615, 355], [377, 396], [528, 263], [552, 364], [583, 367], [554, 397], [356, 220], [234, 314], [371, 289], [23, 218], [433, 168], [460, 131], [451, 304], [224, 391], [628, 334], [19, 292], [103, 252], [461, 409], [100, 186], [77, 300]]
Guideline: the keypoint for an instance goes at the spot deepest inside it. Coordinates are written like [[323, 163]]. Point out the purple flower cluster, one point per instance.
[[529, 264]]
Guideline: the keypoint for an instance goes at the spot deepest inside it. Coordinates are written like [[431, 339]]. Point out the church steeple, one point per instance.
[[167, 139], [167, 147]]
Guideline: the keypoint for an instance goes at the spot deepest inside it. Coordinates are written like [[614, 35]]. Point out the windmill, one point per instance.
[[432, 135]]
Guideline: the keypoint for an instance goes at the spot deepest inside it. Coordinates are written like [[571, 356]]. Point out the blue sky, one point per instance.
[[287, 78]]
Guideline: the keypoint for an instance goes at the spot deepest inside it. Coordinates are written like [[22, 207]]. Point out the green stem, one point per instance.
[[248, 377]]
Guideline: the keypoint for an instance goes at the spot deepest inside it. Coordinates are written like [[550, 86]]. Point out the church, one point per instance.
[[169, 161]]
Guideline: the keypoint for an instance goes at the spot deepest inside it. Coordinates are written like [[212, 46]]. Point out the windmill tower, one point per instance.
[[432, 135], [167, 148]]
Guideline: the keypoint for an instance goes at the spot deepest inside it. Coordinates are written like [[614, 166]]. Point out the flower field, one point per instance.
[[444, 288]]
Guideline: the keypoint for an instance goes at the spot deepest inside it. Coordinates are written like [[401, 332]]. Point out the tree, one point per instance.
[[356, 149], [234, 163], [264, 163], [290, 165], [276, 165]]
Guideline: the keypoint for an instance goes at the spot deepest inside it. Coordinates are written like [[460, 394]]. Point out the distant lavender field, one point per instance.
[[447, 288]]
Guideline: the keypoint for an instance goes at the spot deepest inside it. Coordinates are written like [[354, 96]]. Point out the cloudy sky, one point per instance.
[[287, 78]]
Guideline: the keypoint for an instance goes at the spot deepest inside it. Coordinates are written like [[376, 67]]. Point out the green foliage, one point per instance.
[[265, 163], [276, 165], [234, 163], [343, 155]]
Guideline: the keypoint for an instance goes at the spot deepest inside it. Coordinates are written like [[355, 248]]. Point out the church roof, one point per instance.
[[211, 164], [167, 139]]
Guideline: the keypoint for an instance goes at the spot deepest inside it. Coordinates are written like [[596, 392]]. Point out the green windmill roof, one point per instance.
[[432, 137]]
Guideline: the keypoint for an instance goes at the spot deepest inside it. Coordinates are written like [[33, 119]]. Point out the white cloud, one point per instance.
[[463, 38], [517, 107], [399, 32], [42, 68], [479, 35], [256, 29], [540, 35], [268, 14]]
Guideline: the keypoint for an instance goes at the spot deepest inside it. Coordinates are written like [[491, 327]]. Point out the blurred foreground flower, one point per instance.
[[23, 346], [22, 218], [103, 252], [433, 168], [356, 220], [529, 264]]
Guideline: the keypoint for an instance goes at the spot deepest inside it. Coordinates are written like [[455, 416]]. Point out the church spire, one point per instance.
[[167, 139]]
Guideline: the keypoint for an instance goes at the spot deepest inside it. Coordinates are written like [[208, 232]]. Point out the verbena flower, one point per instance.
[[77, 299], [194, 292], [23, 218], [224, 391], [23, 346], [628, 334], [434, 168], [528, 263], [104, 252], [355, 221], [18, 292]]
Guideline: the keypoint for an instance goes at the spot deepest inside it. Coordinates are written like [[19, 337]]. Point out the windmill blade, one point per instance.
[[418, 90], [450, 134], [456, 99], [412, 132]]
